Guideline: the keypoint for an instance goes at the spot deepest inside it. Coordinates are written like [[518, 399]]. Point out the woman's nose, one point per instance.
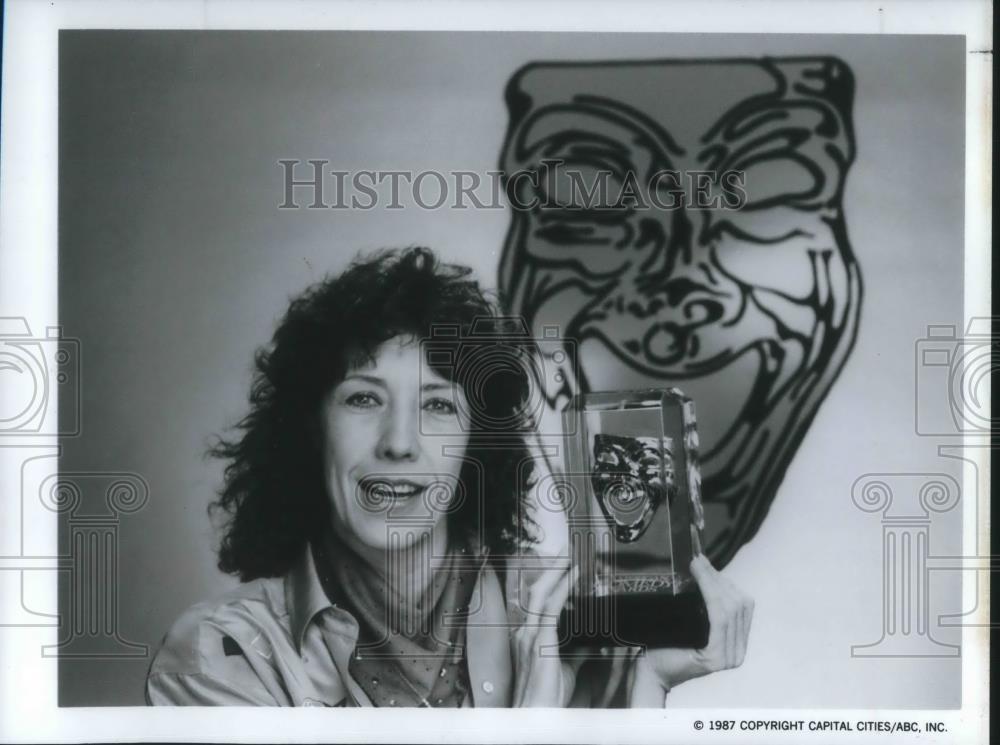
[[399, 439]]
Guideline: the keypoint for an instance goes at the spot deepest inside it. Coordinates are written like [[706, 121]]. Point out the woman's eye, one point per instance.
[[439, 406], [362, 400]]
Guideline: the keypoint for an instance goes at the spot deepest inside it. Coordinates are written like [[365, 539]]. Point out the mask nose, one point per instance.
[[677, 288], [670, 239], [399, 439]]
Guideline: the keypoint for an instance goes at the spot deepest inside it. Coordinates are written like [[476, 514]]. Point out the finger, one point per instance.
[[741, 636], [531, 636], [522, 670], [748, 606], [709, 579], [702, 569], [546, 584], [526, 660], [711, 590], [718, 655], [733, 601], [733, 639], [547, 637], [720, 602], [552, 582], [730, 587], [557, 599], [539, 585], [725, 600], [740, 650]]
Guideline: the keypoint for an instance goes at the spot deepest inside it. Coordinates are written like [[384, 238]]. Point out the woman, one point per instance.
[[374, 503]]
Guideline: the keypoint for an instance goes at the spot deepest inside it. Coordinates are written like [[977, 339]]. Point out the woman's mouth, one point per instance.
[[381, 489]]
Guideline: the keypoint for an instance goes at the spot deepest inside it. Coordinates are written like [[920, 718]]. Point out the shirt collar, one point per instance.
[[304, 595]]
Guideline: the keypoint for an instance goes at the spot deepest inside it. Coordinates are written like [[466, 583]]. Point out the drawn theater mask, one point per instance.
[[751, 311]]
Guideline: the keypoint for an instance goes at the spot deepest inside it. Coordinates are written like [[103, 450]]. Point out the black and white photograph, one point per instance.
[[356, 359]]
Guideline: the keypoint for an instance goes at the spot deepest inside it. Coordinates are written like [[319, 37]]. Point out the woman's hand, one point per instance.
[[541, 678], [730, 613]]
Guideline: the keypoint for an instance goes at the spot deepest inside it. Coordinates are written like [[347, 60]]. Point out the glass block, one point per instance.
[[633, 507]]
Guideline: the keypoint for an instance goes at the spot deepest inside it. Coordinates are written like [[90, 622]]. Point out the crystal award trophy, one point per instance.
[[633, 507]]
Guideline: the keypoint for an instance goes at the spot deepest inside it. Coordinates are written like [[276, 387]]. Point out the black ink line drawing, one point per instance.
[[751, 311]]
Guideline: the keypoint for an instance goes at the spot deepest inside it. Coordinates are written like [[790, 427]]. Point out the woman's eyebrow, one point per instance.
[[437, 386], [374, 379]]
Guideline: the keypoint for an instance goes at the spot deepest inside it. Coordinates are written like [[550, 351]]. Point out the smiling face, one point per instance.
[[394, 434], [750, 311], [632, 477]]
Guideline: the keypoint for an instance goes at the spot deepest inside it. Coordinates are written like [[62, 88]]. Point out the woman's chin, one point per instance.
[[387, 536]]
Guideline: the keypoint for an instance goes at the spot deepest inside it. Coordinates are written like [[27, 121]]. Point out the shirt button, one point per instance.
[[487, 686]]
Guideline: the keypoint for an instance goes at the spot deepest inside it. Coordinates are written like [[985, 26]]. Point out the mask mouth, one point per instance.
[[667, 346], [632, 477], [627, 504]]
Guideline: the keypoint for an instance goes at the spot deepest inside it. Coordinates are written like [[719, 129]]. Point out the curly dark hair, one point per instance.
[[274, 492]]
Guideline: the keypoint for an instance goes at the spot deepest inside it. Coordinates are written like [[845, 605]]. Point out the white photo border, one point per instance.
[[28, 287]]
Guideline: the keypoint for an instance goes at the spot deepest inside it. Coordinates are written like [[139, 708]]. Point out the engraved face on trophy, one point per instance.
[[633, 517], [750, 307], [632, 477]]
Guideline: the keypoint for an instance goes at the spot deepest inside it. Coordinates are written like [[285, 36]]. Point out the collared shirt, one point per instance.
[[281, 642]]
